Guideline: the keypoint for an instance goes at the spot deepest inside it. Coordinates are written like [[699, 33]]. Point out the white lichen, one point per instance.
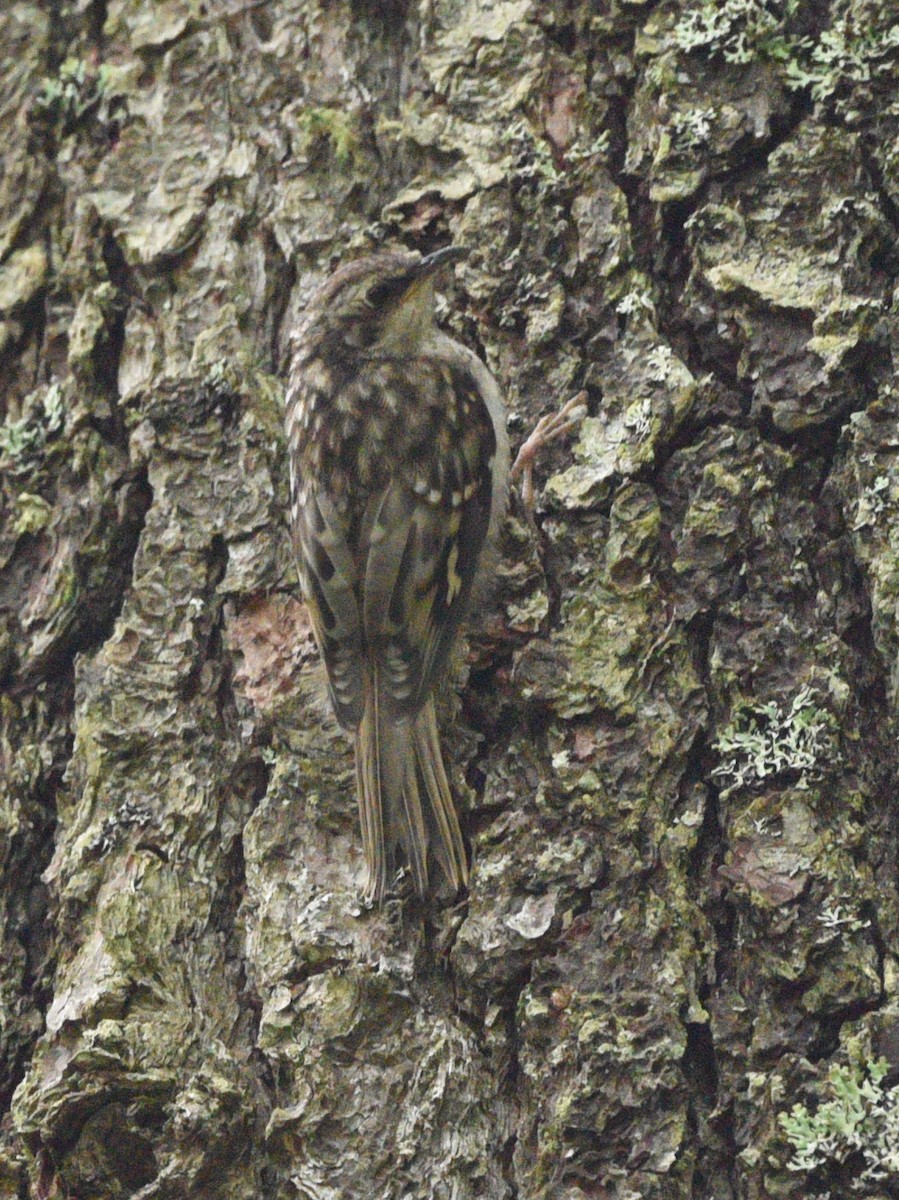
[[766, 740], [860, 1116]]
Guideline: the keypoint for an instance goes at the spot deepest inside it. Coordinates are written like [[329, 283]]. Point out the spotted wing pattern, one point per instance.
[[387, 562]]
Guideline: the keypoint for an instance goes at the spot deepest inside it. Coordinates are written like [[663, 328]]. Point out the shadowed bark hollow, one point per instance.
[[672, 733]]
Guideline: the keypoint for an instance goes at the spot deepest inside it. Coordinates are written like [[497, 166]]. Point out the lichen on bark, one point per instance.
[[672, 727]]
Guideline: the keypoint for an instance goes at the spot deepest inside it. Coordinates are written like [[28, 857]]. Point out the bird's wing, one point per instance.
[[423, 535], [329, 578]]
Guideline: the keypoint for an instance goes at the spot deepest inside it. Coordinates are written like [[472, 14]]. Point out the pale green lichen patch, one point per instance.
[[335, 126], [24, 435], [859, 48], [857, 1115], [33, 513], [768, 740], [737, 30], [73, 91]]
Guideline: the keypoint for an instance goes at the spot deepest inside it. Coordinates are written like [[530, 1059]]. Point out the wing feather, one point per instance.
[[420, 566], [329, 578]]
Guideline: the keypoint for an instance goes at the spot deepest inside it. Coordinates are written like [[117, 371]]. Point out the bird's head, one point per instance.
[[382, 305]]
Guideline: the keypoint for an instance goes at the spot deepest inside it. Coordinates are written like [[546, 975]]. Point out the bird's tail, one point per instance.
[[404, 796]]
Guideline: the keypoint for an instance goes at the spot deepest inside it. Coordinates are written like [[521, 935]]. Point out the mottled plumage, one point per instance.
[[399, 464]]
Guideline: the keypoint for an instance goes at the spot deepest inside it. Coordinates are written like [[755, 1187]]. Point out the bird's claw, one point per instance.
[[547, 430]]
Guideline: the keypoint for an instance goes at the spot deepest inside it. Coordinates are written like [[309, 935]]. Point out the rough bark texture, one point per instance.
[[674, 731]]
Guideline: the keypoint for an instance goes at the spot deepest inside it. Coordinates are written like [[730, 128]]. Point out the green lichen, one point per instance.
[[22, 438], [76, 88], [692, 128], [33, 514], [19, 440], [739, 31], [859, 1116], [855, 49], [334, 126], [765, 740], [850, 52], [531, 613]]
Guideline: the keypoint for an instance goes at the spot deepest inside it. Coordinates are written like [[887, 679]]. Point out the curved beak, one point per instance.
[[441, 258]]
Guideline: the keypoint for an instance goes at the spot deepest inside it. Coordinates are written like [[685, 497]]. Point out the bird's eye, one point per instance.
[[386, 292]]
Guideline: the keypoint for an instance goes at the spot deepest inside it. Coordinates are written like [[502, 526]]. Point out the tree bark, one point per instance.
[[672, 733]]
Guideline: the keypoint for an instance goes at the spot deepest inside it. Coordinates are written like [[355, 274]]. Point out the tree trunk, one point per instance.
[[673, 732]]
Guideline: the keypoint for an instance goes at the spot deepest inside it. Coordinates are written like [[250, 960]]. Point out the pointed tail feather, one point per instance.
[[442, 819], [404, 796], [371, 807]]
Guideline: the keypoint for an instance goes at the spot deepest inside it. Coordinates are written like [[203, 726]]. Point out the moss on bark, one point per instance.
[[674, 733]]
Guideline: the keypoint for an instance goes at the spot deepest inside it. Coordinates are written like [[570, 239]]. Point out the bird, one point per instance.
[[399, 471]]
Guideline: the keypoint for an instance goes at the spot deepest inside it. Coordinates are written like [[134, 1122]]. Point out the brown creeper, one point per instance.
[[399, 465]]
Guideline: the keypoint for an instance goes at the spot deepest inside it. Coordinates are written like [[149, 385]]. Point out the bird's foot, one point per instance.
[[547, 430]]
